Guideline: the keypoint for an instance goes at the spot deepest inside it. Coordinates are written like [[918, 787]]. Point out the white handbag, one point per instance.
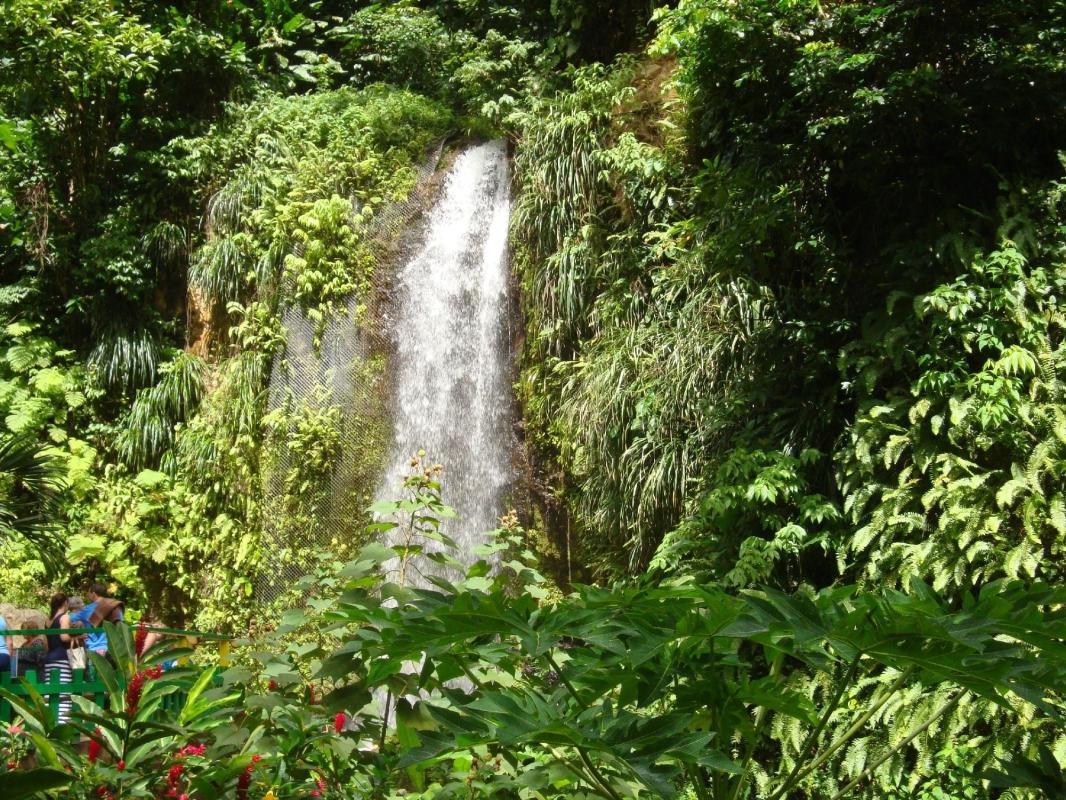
[[77, 658]]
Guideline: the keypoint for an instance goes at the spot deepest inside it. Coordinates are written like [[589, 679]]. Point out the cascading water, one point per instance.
[[451, 364]]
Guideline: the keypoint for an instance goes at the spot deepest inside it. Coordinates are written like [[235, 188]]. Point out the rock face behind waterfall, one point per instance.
[[451, 364]]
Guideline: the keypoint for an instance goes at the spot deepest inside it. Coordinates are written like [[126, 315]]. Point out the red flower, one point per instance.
[[174, 780], [339, 722], [273, 685], [192, 750], [121, 765], [244, 780], [94, 746], [133, 691], [141, 638]]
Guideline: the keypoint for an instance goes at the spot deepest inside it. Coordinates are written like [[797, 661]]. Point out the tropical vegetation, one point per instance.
[[790, 374]]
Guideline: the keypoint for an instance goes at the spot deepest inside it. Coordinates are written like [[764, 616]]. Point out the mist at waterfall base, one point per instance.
[[451, 394]]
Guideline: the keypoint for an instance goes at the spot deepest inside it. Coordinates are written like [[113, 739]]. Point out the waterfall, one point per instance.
[[451, 361]]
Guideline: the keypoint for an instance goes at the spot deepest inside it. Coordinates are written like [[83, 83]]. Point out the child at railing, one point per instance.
[[72, 619]]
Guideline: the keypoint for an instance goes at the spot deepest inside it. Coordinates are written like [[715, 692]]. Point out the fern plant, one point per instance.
[[753, 523]]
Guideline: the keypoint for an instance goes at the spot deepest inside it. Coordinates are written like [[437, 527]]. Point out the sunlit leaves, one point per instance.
[[970, 466]]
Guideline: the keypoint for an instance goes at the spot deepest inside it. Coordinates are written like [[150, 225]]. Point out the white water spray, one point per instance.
[[451, 391]]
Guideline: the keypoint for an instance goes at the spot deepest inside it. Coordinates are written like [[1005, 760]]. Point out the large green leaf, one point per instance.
[[15, 785]]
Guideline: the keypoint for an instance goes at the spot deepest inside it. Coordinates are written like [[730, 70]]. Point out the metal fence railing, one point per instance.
[[84, 682], [319, 365]]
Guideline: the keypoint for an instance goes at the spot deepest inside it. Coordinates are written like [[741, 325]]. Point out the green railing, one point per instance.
[[84, 682]]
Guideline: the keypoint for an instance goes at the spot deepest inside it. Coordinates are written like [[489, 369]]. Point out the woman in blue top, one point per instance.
[[6, 646]]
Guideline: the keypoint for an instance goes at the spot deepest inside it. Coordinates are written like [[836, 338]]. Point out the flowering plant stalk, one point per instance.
[[14, 746]]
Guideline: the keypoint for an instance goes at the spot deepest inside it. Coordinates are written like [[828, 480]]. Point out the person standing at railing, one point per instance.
[[100, 609], [7, 646], [56, 659], [31, 652]]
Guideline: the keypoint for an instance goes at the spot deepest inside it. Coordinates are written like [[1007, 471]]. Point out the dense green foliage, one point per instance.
[[483, 688], [173, 177], [792, 385], [792, 290], [823, 308]]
